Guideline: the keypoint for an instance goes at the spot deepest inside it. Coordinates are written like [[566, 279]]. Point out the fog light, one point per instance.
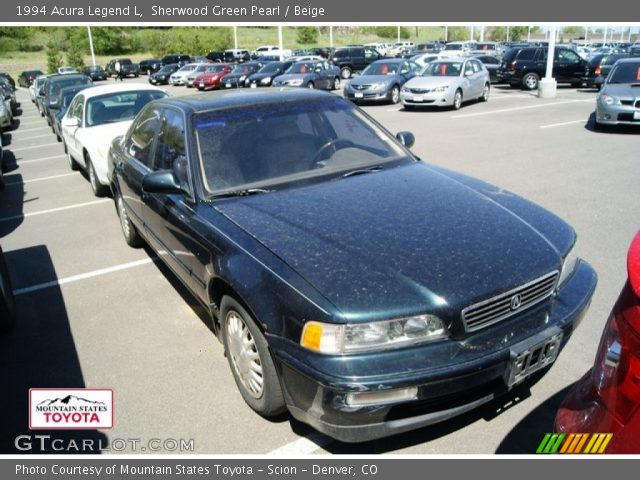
[[607, 116], [382, 397]]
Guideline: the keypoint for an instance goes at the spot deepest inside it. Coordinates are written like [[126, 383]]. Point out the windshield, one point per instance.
[[485, 46], [270, 67], [301, 67], [55, 87], [118, 107], [167, 69], [384, 68], [215, 68], [442, 69], [453, 46], [187, 68], [242, 69], [200, 68], [259, 146], [625, 73]]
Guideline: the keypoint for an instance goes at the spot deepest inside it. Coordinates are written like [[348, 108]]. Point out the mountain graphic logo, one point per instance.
[[70, 408], [69, 401]]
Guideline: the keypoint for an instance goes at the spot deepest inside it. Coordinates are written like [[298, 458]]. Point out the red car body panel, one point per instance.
[[607, 398], [212, 79]]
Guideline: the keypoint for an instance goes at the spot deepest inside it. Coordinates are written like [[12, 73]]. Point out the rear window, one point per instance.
[[510, 55], [526, 54], [341, 53], [611, 59]]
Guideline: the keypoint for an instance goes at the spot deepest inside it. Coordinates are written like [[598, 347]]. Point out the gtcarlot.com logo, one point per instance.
[[77, 409], [575, 443]]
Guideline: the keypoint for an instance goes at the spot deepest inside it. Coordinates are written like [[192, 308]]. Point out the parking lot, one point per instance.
[[92, 312]]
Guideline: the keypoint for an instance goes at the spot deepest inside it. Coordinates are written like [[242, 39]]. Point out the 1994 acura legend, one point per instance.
[[363, 290]]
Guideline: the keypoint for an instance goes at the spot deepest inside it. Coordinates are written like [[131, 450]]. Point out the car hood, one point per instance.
[[397, 242], [292, 76], [369, 79], [260, 76], [430, 82], [624, 90]]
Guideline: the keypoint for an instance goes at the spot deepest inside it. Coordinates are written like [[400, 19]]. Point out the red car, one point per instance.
[[210, 79], [607, 398]]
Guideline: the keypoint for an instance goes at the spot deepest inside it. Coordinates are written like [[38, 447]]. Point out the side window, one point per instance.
[[468, 69], [79, 108], [404, 69], [476, 66], [170, 150], [370, 54], [567, 56], [139, 144]]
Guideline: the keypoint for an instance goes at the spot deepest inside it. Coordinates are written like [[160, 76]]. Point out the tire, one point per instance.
[[250, 361], [457, 100], [129, 231], [394, 95], [345, 73], [7, 303], [73, 165], [310, 85], [98, 189], [336, 84], [530, 81], [485, 93]]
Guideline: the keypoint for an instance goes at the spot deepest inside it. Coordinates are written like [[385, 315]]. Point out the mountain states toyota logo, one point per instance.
[[74, 409]]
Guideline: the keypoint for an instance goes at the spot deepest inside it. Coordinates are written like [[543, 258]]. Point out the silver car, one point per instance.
[[618, 102], [447, 83]]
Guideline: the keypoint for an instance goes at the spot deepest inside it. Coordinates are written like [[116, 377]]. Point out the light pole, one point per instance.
[[529, 34], [547, 86], [507, 33], [280, 40], [330, 37], [235, 37], [93, 56], [446, 33]]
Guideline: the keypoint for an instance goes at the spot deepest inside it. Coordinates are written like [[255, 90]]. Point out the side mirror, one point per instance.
[[162, 181], [468, 73], [406, 138], [69, 122]]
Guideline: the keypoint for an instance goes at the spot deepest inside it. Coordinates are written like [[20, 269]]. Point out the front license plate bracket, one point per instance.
[[533, 354]]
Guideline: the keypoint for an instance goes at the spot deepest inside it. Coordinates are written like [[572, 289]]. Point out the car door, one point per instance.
[[568, 66], [170, 218], [469, 83], [324, 73], [479, 76], [70, 124], [137, 154]]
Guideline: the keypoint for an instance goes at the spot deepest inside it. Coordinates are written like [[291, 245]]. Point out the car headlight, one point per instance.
[[162, 77], [608, 99], [296, 83], [405, 90], [568, 265], [440, 89], [241, 79], [378, 86], [265, 80], [360, 337]]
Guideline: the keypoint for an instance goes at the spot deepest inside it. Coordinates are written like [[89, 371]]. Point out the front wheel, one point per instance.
[[99, 190], [394, 96], [457, 100], [131, 235], [336, 84], [250, 360], [310, 85], [485, 93], [345, 73]]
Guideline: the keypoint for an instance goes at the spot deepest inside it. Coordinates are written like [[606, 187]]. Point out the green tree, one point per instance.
[[53, 57], [458, 34], [307, 35], [108, 40], [75, 58], [392, 32]]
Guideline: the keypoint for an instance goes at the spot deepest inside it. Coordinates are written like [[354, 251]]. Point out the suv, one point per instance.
[[126, 65], [524, 67], [351, 59], [180, 59]]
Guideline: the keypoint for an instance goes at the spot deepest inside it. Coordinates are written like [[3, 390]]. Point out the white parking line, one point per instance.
[[40, 179], [53, 210], [31, 138], [83, 276], [302, 446], [32, 129], [515, 109], [563, 123], [42, 159], [34, 146], [397, 109]]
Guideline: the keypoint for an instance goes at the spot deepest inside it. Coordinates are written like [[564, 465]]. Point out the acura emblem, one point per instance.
[[516, 301]]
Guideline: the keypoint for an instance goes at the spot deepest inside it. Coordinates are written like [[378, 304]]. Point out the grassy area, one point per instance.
[[248, 37]]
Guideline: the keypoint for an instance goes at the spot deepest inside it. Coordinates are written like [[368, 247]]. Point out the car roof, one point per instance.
[[64, 76], [127, 87], [224, 99], [390, 60], [629, 60]]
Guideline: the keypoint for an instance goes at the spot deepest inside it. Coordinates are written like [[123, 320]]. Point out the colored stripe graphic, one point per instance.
[[573, 443]]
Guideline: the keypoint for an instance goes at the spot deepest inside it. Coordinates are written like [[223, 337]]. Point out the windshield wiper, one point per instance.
[[240, 193], [360, 171]]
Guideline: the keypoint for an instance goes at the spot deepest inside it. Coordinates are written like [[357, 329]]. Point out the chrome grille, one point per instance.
[[626, 102], [507, 304], [361, 87], [419, 90]]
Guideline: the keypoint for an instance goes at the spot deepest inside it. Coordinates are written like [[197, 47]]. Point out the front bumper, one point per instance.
[[617, 114], [367, 95], [444, 99], [451, 377]]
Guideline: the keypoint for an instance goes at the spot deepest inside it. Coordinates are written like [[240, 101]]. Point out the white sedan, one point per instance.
[[94, 118]]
